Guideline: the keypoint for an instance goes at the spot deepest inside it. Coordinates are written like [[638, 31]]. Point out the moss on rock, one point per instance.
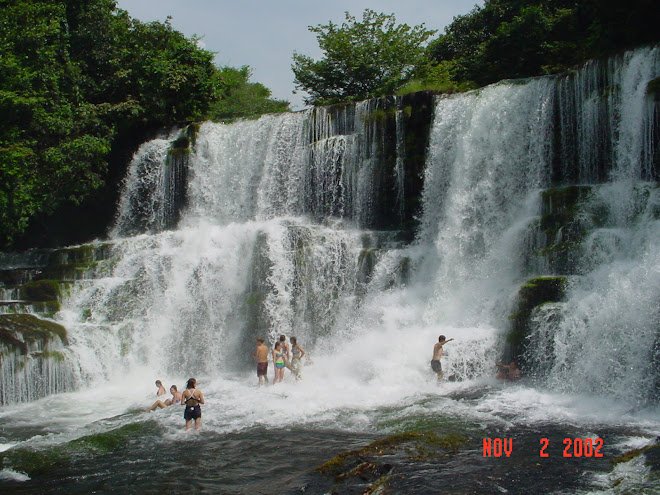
[[369, 469], [652, 453], [414, 444], [41, 290], [35, 462], [533, 293], [19, 330]]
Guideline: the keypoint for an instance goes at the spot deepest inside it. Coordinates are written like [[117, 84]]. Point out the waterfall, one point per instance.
[[41, 369], [273, 238], [368, 229], [490, 155], [149, 190], [603, 339]]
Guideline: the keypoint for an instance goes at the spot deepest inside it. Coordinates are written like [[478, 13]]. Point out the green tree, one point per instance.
[[52, 143], [238, 97], [361, 60], [521, 38], [75, 76]]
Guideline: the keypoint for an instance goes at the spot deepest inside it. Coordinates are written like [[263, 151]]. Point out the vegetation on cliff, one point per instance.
[[81, 78], [82, 84], [362, 59], [503, 39], [507, 39]]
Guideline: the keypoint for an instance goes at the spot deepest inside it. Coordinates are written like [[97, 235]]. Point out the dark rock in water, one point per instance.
[[37, 462], [650, 452], [372, 468]]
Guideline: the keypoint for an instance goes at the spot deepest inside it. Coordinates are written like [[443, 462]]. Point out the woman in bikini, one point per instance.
[[192, 398], [161, 389], [176, 399], [278, 360]]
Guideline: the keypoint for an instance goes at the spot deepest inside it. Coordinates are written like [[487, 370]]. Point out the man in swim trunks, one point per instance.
[[437, 354], [261, 355]]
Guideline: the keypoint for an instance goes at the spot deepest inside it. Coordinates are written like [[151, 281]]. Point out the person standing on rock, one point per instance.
[[261, 355], [437, 355], [192, 398]]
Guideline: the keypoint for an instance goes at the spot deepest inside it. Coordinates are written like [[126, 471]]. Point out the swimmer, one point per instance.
[[175, 400], [285, 348], [296, 361], [278, 361], [261, 355], [192, 398], [509, 371], [161, 389]]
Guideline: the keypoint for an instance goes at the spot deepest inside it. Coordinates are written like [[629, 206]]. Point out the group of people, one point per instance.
[[191, 397], [505, 371], [284, 356], [290, 357]]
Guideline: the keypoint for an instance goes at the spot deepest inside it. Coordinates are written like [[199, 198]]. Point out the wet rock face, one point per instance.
[[33, 362], [533, 294], [396, 130], [29, 329]]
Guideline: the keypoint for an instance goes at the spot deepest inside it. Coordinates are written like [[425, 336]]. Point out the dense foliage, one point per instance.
[[73, 74], [238, 97], [503, 39], [521, 38], [79, 76], [361, 60]]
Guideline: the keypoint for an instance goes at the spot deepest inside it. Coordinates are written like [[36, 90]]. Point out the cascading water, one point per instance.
[[299, 224], [490, 155], [604, 338]]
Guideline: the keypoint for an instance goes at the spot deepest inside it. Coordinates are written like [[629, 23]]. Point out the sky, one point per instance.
[[264, 34]]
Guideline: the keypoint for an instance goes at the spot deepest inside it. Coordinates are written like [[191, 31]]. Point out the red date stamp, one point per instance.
[[573, 447]]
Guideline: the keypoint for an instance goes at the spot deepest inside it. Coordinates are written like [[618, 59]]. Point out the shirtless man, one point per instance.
[[512, 371], [437, 354], [261, 355]]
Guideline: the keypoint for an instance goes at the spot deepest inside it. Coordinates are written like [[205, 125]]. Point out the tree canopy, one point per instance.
[[361, 59], [78, 76], [506, 39], [238, 97]]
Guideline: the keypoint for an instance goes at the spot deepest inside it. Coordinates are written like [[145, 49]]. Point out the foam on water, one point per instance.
[[8, 474]]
